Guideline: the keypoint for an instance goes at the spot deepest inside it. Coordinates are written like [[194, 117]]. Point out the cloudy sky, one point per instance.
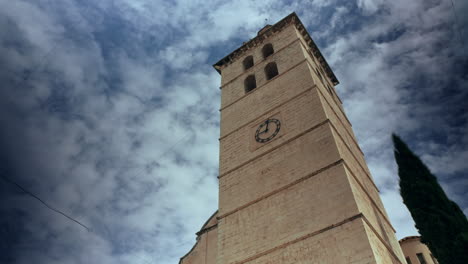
[[109, 112]]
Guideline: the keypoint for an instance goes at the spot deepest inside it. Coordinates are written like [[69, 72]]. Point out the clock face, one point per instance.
[[267, 130]]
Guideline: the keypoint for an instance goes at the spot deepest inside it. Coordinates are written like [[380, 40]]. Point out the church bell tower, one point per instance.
[[294, 186]]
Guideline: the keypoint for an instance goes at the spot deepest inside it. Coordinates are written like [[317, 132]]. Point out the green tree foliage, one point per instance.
[[441, 223]]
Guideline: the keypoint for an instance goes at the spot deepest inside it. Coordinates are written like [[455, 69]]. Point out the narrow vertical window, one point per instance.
[[434, 260], [267, 50], [421, 258], [408, 260], [250, 83], [271, 70], [248, 62]]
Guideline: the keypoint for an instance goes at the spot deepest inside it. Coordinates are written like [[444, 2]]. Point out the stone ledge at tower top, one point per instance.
[[265, 32]]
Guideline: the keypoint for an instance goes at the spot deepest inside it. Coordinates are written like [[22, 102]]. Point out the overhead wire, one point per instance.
[[44, 60], [27, 74], [43, 202], [177, 142], [90, 230]]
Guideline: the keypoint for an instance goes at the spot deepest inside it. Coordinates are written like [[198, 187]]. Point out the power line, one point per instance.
[[163, 153], [56, 210], [42, 62], [172, 147], [44, 203]]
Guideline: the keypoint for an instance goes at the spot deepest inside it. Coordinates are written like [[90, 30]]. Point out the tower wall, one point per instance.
[[305, 195], [345, 243], [236, 68], [310, 178]]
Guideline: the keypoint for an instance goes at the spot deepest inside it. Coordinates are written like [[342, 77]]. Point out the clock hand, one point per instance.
[[267, 122]]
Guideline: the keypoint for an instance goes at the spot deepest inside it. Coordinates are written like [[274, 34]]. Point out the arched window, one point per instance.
[[248, 62], [250, 83], [271, 70], [421, 258], [267, 50]]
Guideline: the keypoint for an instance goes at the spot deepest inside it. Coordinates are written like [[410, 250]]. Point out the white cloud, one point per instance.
[[370, 6], [339, 16], [377, 71], [122, 111]]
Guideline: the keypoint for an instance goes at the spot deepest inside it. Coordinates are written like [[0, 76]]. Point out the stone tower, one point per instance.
[[294, 186]]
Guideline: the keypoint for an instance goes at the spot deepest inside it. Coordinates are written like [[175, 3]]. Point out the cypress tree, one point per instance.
[[441, 223]]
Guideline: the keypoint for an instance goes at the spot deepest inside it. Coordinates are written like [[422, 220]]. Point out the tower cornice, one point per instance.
[[265, 33]]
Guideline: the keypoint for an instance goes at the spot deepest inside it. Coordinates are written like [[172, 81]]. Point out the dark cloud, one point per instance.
[[404, 70], [109, 112]]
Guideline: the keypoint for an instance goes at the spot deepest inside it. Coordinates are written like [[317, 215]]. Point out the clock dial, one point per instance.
[[267, 130]]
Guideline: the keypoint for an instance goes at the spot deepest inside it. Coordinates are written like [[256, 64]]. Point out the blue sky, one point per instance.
[[109, 112]]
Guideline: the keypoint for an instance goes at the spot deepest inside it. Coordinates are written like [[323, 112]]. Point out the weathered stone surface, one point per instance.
[[305, 196]]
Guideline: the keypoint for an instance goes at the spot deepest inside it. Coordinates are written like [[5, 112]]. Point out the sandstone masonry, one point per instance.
[[294, 186]]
